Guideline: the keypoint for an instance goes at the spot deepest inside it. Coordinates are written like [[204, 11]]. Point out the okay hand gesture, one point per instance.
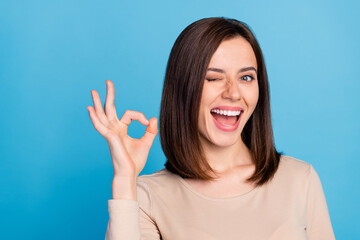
[[128, 155]]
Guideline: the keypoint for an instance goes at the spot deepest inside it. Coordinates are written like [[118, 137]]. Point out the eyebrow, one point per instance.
[[240, 70]]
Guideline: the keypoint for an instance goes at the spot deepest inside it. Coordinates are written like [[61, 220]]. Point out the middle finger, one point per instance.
[[110, 102]]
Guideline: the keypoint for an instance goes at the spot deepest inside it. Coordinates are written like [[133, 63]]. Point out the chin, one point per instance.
[[223, 141]]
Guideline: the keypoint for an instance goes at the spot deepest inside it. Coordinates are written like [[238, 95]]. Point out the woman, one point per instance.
[[224, 178]]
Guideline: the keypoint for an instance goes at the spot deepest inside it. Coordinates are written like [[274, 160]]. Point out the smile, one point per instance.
[[227, 118]]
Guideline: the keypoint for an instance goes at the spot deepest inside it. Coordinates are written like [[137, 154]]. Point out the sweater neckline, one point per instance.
[[236, 197]]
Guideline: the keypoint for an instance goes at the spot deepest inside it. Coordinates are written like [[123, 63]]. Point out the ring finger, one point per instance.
[[98, 108]]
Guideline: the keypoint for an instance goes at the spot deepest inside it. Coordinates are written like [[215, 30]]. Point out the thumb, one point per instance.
[[151, 131]]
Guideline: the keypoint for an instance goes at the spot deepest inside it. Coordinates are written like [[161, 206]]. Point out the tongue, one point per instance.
[[225, 120]]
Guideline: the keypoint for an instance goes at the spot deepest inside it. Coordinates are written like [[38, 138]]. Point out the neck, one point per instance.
[[226, 159]]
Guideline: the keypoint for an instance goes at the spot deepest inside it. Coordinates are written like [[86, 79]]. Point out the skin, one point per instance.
[[225, 151], [226, 86], [128, 155]]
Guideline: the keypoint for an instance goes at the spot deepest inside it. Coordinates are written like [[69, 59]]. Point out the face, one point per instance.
[[230, 93]]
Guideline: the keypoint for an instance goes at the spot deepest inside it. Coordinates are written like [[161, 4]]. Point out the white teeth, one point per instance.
[[226, 112]]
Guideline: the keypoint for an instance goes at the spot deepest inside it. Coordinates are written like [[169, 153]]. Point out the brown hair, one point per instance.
[[184, 79]]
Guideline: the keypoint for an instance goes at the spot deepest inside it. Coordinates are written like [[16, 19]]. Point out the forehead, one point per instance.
[[234, 52]]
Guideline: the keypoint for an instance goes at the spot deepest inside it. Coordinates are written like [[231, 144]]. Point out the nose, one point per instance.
[[232, 90]]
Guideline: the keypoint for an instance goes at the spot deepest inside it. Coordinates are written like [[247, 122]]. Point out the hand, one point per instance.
[[128, 155]]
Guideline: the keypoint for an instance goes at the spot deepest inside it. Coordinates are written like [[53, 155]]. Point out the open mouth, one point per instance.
[[226, 120]]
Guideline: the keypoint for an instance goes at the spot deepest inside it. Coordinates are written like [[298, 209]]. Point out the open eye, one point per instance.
[[247, 78]]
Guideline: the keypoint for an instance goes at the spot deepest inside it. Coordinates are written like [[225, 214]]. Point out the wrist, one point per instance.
[[124, 187]]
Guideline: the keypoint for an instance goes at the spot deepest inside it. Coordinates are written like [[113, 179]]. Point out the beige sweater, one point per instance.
[[291, 206]]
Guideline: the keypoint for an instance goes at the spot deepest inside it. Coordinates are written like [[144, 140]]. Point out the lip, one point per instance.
[[229, 108], [228, 128]]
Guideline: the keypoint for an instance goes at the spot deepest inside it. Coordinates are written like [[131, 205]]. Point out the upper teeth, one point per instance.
[[226, 112]]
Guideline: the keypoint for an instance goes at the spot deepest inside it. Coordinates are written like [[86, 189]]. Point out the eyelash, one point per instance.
[[251, 78], [242, 78]]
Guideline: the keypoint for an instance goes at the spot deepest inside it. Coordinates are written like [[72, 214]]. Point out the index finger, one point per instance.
[[133, 115], [110, 101]]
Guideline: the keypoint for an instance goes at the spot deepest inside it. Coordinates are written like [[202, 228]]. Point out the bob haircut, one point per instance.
[[184, 79]]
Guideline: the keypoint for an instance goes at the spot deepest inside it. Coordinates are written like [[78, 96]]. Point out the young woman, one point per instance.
[[224, 178]]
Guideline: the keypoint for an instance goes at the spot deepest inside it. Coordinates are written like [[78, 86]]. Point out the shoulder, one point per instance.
[[290, 167], [156, 187], [291, 180], [293, 166], [158, 181], [293, 171], [158, 178]]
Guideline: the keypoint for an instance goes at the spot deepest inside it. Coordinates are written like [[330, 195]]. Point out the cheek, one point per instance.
[[254, 95], [210, 93], [251, 97]]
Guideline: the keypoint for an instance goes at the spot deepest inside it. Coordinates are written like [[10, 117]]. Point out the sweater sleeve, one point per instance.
[[318, 219], [131, 220]]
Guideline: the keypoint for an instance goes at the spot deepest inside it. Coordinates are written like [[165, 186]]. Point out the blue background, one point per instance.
[[55, 169]]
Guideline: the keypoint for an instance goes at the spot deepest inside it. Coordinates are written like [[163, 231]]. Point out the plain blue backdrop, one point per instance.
[[55, 169]]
